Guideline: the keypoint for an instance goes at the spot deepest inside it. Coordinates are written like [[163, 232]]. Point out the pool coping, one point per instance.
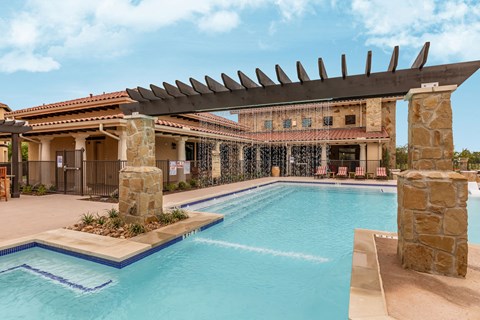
[[367, 297], [333, 183], [113, 252]]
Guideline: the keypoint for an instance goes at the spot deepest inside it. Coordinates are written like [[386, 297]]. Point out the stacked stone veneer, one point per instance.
[[140, 193], [432, 212], [432, 222], [374, 115]]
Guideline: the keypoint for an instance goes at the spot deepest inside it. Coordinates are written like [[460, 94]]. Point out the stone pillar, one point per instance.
[[289, 164], [122, 145], [141, 184], [432, 213], [216, 164], [324, 155], [241, 159], [181, 157], [45, 167], [374, 115], [363, 155]]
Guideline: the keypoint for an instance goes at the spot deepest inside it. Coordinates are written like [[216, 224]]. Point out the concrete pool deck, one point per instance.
[[381, 289]]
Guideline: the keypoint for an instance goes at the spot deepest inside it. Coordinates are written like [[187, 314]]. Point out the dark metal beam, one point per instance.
[[199, 87], [368, 65], [159, 92], [357, 86], [263, 79], [147, 94], [344, 66], [321, 69], [393, 60], [281, 75], [134, 95], [422, 57], [185, 88], [246, 81], [172, 90], [214, 85], [230, 83], [301, 73]]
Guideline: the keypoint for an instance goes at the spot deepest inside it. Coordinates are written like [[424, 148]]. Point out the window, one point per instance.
[[350, 119], [268, 124], [306, 122], [287, 123], [328, 121]]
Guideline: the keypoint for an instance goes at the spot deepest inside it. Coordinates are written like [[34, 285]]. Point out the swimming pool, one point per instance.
[[283, 252]]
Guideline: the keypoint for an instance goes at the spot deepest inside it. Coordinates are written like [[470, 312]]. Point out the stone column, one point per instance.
[[241, 159], [463, 164], [216, 164], [374, 115], [45, 167], [432, 212], [141, 184], [363, 155], [181, 157], [324, 155], [289, 165]]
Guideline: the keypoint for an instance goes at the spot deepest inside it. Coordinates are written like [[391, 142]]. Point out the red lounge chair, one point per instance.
[[3, 180], [359, 173], [321, 172], [381, 173], [342, 172]]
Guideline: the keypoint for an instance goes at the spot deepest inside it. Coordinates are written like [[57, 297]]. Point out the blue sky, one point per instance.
[[58, 50]]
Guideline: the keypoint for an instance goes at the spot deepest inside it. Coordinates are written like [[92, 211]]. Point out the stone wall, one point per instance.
[[430, 136], [432, 222], [389, 110]]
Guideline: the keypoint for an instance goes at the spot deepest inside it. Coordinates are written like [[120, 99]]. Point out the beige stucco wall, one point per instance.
[[164, 150], [373, 153]]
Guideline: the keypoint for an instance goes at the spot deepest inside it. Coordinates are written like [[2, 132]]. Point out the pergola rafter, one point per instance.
[[246, 93]]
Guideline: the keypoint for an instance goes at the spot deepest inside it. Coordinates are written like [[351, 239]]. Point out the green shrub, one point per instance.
[[113, 213], [182, 185], [194, 183], [178, 214], [87, 218], [52, 188], [171, 187], [101, 220], [165, 218], [41, 190], [135, 229], [115, 222], [27, 188]]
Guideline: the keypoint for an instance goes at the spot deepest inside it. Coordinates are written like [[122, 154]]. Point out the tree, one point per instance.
[[24, 148], [402, 157]]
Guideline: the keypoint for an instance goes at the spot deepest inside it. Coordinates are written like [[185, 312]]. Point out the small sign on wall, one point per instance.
[[172, 168], [186, 167], [59, 161], [180, 164]]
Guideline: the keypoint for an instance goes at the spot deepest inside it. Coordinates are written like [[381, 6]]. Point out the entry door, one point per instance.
[[69, 173]]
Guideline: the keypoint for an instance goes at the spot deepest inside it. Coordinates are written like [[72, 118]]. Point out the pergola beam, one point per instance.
[[215, 96]]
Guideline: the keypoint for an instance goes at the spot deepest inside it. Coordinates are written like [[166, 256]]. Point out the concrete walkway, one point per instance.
[[29, 215]]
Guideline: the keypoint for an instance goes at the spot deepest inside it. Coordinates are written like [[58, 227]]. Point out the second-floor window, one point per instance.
[[287, 123], [328, 121], [268, 124], [306, 122], [350, 119]]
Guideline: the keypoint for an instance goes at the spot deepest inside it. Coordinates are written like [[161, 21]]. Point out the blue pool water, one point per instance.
[[283, 252]]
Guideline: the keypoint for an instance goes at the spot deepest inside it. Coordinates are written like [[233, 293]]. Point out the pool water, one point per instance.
[[283, 252]]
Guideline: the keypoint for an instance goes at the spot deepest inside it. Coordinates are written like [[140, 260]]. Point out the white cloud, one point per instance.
[[452, 27], [48, 31], [26, 61], [221, 21]]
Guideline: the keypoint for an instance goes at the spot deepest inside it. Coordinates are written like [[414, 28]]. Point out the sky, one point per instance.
[[58, 50]]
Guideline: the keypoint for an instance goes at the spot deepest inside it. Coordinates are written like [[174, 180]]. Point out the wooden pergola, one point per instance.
[[214, 96], [15, 128]]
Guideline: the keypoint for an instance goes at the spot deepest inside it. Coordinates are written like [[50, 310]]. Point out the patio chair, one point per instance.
[[359, 173], [321, 172], [3, 181], [381, 173], [342, 172]]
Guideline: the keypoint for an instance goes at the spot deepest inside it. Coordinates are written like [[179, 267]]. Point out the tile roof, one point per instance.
[[315, 135], [89, 99], [107, 117], [213, 118], [240, 135]]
